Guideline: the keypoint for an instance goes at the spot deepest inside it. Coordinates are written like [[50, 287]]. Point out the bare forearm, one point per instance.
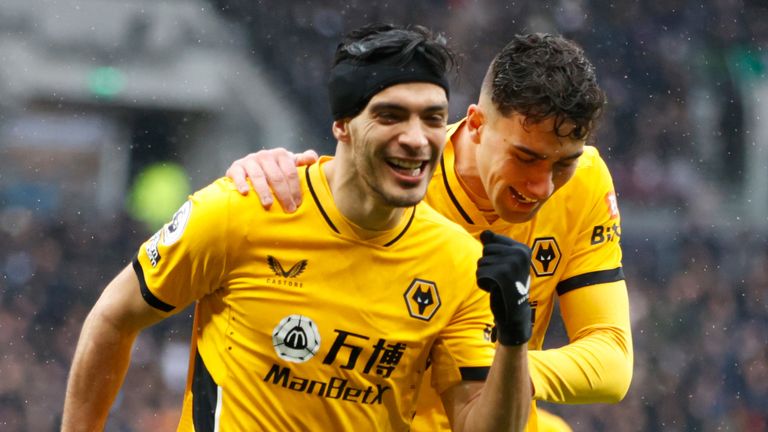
[[98, 369], [505, 401]]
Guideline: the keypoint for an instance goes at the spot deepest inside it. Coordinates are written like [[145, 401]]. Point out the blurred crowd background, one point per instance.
[[112, 111]]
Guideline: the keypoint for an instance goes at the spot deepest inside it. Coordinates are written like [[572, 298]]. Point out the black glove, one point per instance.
[[503, 272]]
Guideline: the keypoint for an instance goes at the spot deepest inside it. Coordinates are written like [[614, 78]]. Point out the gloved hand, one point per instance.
[[503, 271]]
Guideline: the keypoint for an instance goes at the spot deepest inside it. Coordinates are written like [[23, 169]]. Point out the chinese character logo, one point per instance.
[[422, 299], [546, 256], [294, 271], [296, 339], [382, 361]]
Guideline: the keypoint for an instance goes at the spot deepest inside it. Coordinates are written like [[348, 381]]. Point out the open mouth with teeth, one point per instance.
[[521, 198], [411, 168]]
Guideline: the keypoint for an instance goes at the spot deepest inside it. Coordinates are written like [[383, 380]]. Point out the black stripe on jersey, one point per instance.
[[451, 195], [146, 293], [474, 373], [204, 395], [320, 206], [587, 279], [408, 225]]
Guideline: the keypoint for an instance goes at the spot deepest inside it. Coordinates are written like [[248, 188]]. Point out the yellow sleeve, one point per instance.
[[596, 366], [186, 259], [463, 349]]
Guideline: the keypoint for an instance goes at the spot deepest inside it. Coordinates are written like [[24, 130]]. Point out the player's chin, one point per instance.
[[516, 214], [406, 196], [406, 201]]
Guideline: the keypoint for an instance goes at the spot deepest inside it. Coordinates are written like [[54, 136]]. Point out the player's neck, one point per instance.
[[465, 166], [368, 215]]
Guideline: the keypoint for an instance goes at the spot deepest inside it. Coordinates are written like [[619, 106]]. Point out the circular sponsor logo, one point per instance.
[[296, 339], [175, 228]]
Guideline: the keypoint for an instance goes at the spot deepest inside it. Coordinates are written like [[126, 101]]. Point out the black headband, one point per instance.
[[353, 84]]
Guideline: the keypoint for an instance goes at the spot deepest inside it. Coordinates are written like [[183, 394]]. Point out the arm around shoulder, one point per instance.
[[272, 171]]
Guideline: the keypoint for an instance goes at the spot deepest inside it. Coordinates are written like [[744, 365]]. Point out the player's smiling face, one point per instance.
[[398, 139], [522, 164]]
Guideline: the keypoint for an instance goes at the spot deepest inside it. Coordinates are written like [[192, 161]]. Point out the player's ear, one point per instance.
[[475, 122], [340, 130]]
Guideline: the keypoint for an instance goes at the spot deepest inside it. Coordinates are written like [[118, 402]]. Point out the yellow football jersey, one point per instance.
[[574, 240], [302, 325]]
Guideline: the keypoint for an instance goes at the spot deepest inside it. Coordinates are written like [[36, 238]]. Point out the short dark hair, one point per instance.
[[374, 57], [542, 75], [375, 43]]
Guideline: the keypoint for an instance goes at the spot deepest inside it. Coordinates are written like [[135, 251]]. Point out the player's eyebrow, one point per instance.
[[381, 106], [529, 152]]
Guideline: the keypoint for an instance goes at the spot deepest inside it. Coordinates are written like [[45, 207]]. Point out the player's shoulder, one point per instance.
[[222, 187], [591, 159], [592, 172], [590, 186], [222, 196]]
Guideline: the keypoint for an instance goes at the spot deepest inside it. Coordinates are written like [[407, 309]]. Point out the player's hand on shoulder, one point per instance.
[[503, 271], [272, 171]]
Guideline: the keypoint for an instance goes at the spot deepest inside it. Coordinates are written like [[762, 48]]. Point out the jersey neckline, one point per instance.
[[318, 187]]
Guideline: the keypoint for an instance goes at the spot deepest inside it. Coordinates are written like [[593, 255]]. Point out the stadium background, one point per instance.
[[104, 100]]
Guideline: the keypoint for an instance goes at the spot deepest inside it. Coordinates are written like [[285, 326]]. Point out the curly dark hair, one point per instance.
[[542, 75], [375, 42]]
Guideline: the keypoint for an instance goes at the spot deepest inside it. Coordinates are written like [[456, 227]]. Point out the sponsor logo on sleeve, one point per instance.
[[151, 248], [175, 228], [613, 204], [605, 234]]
